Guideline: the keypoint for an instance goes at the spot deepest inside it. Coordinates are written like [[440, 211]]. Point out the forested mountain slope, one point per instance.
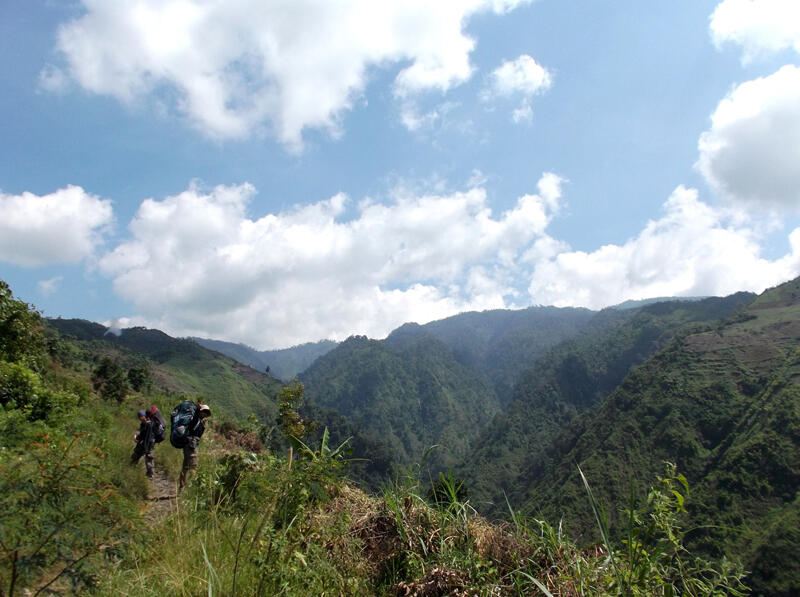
[[428, 385], [501, 344], [411, 398], [574, 377], [177, 365], [722, 401], [283, 363]]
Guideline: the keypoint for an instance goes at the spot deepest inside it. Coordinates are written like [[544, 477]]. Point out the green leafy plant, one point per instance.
[[56, 513], [291, 424], [653, 559]]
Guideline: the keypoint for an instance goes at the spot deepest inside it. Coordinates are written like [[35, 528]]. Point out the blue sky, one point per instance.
[[274, 173]]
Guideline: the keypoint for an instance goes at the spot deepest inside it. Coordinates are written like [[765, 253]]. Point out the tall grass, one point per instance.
[[256, 524]]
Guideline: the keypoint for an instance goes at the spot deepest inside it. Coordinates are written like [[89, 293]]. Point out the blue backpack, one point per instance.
[[180, 423]]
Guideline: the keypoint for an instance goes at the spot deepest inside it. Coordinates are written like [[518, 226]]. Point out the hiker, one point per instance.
[[193, 431], [152, 430], [145, 442]]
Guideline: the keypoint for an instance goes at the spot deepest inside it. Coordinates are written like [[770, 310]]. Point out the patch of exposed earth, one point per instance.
[[162, 497]]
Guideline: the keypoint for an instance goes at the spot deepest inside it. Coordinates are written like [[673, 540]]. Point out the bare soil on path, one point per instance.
[[162, 498]]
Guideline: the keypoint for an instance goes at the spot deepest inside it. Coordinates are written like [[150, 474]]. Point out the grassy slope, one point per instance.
[[181, 366]]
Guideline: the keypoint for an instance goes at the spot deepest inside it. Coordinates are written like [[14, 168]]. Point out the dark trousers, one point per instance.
[[146, 451]]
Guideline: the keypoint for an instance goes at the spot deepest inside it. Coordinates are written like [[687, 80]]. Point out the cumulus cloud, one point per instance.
[[523, 75], [198, 264], [63, 227], [521, 78], [693, 250], [239, 65], [752, 150], [761, 27]]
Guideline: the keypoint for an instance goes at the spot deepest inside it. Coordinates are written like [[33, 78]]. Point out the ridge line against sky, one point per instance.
[[274, 174]]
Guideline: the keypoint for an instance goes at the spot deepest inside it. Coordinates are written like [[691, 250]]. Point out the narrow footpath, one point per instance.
[[162, 498]]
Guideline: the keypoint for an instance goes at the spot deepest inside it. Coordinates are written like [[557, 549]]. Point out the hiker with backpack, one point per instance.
[[187, 425], [152, 427]]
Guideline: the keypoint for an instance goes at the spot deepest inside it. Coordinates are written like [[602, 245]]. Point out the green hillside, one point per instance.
[[572, 378], [723, 402], [285, 363], [412, 399], [179, 366], [437, 384], [76, 518], [500, 344]]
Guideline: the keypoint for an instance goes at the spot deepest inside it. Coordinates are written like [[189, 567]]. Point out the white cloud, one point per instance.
[[63, 227], [761, 27], [521, 76], [48, 287], [240, 65], [415, 119], [197, 264], [752, 150], [523, 113], [692, 251]]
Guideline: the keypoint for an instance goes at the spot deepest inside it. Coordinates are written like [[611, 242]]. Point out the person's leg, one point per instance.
[[184, 468], [148, 462], [138, 451], [189, 463]]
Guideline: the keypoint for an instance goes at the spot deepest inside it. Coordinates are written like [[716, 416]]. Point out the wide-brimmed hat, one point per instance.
[[204, 410]]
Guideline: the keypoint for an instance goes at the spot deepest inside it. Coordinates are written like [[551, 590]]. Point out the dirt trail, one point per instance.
[[162, 498]]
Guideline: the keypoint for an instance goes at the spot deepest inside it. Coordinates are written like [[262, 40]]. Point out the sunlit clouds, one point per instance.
[[692, 250], [197, 263], [65, 226], [237, 67], [279, 172], [752, 150], [760, 27]]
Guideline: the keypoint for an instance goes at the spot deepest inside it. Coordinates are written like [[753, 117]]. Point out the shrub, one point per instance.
[[21, 388], [57, 513]]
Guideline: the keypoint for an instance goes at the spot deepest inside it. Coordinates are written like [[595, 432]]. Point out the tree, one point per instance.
[[21, 338], [110, 380], [292, 425], [139, 377]]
